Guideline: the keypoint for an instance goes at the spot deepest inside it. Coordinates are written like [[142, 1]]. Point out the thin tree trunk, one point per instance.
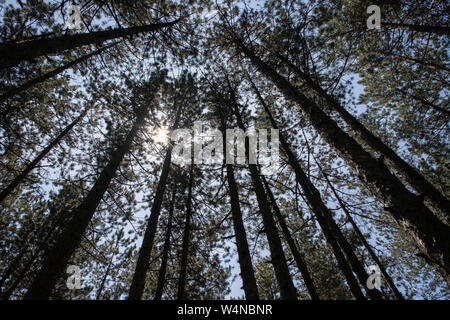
[[66, 244], [245, 262], [18, 258], [413, 27], [278, 259], [32, 165], [181, 295], [431, 236], [426, 64], [108, 268], [102, 285], [318, 207], [298, 257], [166, 249], [425, 102], [410, 174], [13, 91], [287, 288], [357, 266], [143, 261], [28, 265], [13, 53], [362, 238], [12, 266]]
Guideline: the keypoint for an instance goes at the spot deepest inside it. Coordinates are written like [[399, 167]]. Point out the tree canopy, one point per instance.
[[357, 120]]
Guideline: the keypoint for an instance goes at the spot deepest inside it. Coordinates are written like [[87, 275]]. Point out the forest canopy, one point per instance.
[[101, 200]]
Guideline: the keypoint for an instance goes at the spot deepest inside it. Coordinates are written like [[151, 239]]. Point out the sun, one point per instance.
[[161, 135]]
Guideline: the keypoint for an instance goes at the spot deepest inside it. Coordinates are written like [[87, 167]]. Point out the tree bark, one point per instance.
[[410, 174], [181, 290], [431, 236], [12, 54], [32, 165], [287, 288], [165, 254], [298, 257], [315, 202], [245, 262], [66, 244]]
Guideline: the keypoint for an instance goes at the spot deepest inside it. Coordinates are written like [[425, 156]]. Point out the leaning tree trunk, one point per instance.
[[13, 266], [431, 236], [410, 174], [31, 83], [181, 289], [13, 53], [424, 102], [105, 276], [357, 266], [369, 249], [245, 262], [66, 244], [165, 254], [26, 268], [298, 257], [317, 206], [430, 65], [32, 165], [143, 261], [287, 288], [418, 28], [102, 284]]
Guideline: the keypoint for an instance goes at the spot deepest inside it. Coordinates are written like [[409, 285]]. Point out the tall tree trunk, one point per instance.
[[31, 83], [166, 249], [143, 261], [13, 53], [410, 174], [181, 295], [245, 262], [357, 266], [32, 165], [298, 257], [431, 236], [287, 288], [418, 28], [369, 249], [66, 244], [315, 202]]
